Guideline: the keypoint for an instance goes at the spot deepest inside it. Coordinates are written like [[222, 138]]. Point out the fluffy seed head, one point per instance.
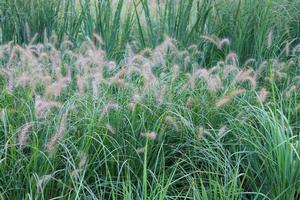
[[190, 102], [263, 95], [43, 106], [270, 39], [223, 101], [83, 160], [171, 121], [150, 135], [200, 132], [175, 72], [80, 85], [238, 92], [59, 134], [222, 131], [110, 128], [23, 136], [109, 107]]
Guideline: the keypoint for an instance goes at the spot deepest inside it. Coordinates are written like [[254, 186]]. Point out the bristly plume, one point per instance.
[[110, 128], [83, 160], [59, 134], [80, 85], [56, 88], [216, 41], [43, 106], [10, 85], [190, 102], [200, 132], [263, 95], [292, 90], [140, 150], [247, 75], [287, 49], [215, 83], [238, 92], [109, 107], [95, 88], [150, 135], [43, 180], [175, 72], [171, 121], [270, 39], [222, 131], [223, 101], [232, 59], [24, 134]]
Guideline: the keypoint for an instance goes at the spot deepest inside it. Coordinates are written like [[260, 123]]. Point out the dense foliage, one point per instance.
[[183, 99]]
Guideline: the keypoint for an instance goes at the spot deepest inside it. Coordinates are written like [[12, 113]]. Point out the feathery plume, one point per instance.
[[262, 67], [120, 73], [238, 92], [263, 95], [132, 106], [43, 106], [249, 61], [80, 85], [216, 41], [175, 72], [291, 91], [10, 85], [214, 83], [150, 135], [200, 132], [111, 65], [24, 133], [232, 58], [95, 88], [140, 150], [247, 75], [110, 128], [287, 49], [83, 160], [56, 88], [296, 49], [108, 107], [222, 131], [190, 102], [171, 122], [230, 69], [43, 179], [59, 134], [223, 101], [270, 39]]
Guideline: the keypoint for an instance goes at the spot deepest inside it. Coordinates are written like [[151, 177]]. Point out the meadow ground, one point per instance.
[[183, 99]]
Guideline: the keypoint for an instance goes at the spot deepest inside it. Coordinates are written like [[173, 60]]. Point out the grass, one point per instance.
[[145, 23], [149, 100]]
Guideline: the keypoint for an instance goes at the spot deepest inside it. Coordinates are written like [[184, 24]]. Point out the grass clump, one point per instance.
[[153, 126], [149, 100]]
